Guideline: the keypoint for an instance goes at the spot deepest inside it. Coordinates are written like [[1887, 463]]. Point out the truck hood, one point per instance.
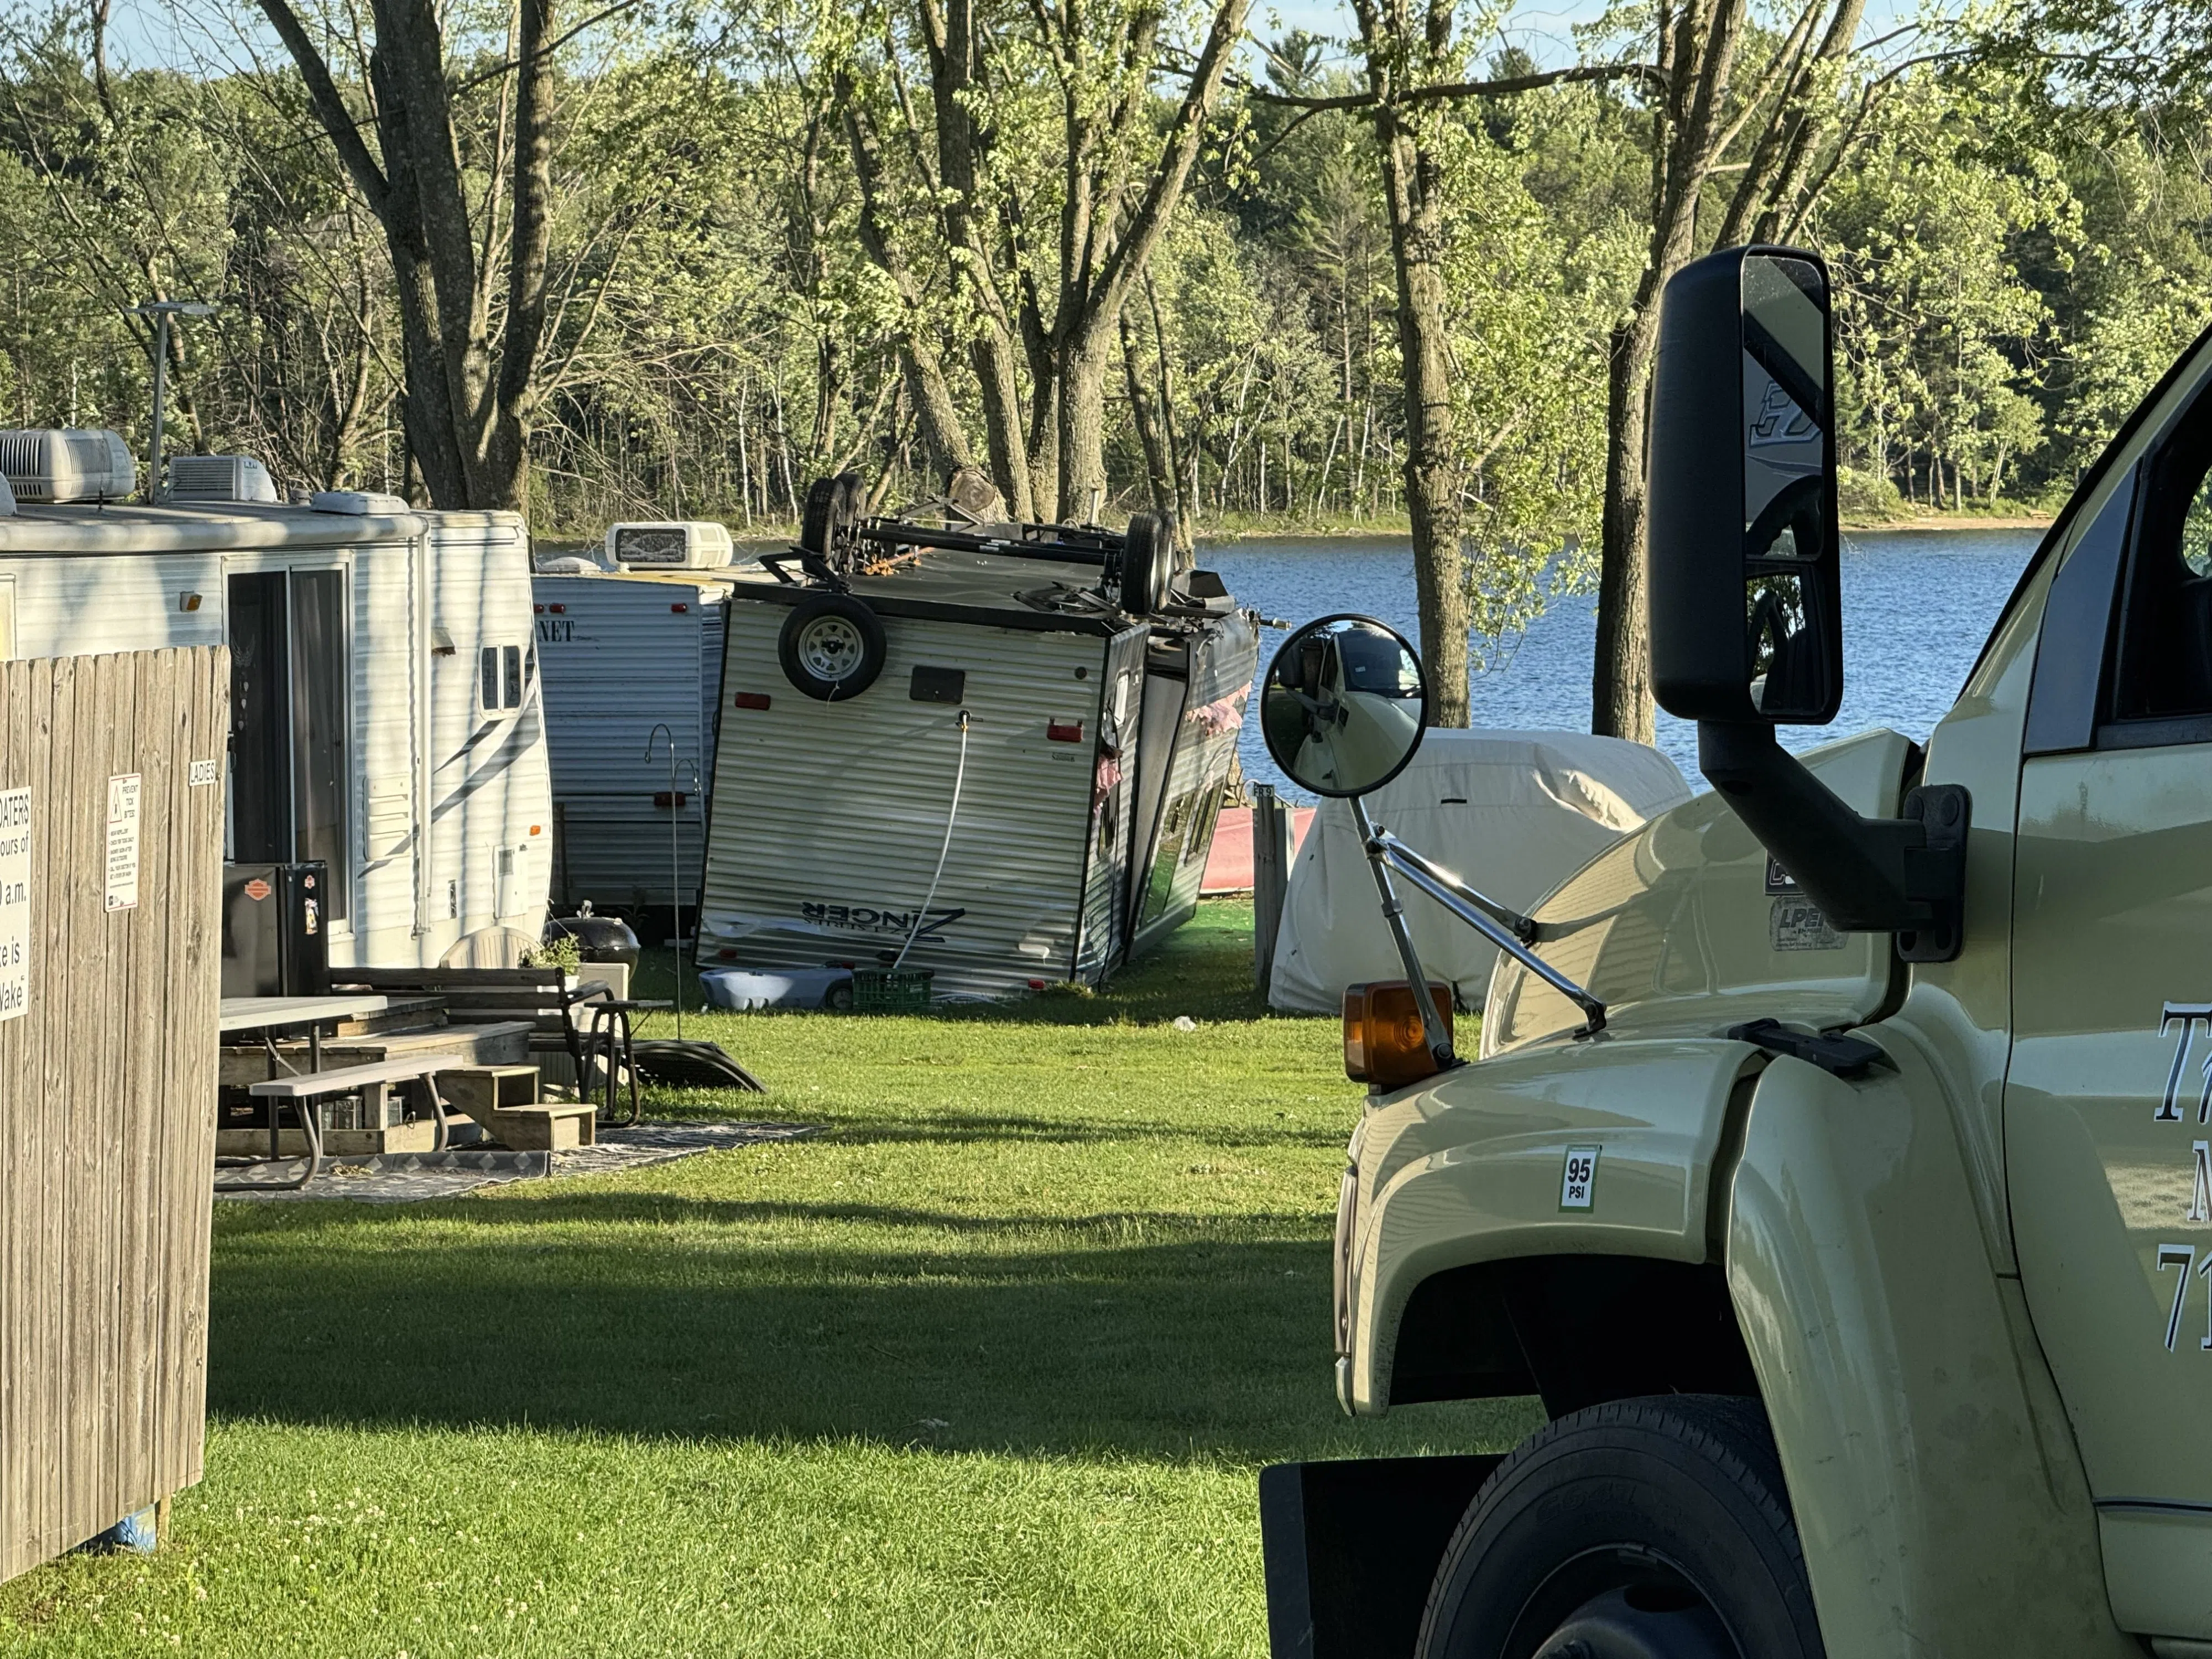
[[1682, 929]]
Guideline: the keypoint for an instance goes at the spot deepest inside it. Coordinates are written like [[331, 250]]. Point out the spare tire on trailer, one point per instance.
[[832, 647], [833, 507], [1148, 563]]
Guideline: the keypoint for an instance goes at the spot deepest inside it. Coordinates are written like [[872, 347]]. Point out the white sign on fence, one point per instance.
[[122, 842], [15, 902]]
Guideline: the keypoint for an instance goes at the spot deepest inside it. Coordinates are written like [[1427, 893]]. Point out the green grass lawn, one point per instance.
[[989, 1367]]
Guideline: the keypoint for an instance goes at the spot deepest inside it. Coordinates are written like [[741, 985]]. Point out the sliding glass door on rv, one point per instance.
[[290, 694]]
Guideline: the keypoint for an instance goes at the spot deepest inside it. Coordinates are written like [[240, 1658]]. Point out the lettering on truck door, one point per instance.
[[2108, 1103]]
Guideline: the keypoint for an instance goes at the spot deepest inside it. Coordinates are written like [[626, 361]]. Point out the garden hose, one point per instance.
[[952, 817]]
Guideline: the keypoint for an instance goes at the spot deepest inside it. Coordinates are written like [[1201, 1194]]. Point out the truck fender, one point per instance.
[[1937, 1486]]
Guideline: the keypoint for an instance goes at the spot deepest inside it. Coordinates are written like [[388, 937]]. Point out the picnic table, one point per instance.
[[270, 1015]]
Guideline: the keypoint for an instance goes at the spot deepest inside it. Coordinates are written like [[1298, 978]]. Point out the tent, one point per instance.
[[1512, 813]]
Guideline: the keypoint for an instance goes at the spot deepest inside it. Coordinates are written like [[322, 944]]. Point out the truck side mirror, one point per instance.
[[1344, 706], [1747, 592]]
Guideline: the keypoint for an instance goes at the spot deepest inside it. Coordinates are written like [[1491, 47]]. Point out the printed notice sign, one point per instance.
[[15, 902], [122, 842]]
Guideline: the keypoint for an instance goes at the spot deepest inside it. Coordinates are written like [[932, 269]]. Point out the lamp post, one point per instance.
[[161, 311]]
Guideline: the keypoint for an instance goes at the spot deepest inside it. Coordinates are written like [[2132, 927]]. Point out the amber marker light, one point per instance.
[[1382, 1044]]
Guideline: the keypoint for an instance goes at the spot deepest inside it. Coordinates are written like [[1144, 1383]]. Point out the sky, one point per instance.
[[1544, 28]]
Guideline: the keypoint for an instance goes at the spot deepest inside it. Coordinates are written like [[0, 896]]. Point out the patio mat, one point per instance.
[[411, 1177]]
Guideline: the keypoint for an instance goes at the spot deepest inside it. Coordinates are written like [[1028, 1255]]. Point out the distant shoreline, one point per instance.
[[1949, 521]]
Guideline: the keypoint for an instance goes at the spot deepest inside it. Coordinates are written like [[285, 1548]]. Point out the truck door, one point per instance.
[[2108, 1102]]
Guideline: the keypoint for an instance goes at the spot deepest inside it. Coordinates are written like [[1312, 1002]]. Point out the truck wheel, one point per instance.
[[1654, 1529]]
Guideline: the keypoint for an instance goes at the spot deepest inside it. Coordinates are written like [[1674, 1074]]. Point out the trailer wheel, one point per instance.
[[1654, 1529], [832, 647], [1148, 563], [833, 506]]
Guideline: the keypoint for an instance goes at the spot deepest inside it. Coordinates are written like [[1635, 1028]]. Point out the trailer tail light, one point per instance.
[[1064, 731], [661, 798], [1382, 1044], [558, 610], [679, 610], [750, 700]]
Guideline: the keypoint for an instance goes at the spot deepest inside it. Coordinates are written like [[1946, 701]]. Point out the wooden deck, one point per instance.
[[106, 1070]]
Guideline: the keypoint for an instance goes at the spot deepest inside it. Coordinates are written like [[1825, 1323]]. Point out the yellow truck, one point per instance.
[[1836, 1162]]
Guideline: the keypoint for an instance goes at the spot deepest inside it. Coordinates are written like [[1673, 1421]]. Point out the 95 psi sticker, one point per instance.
[[1578, 1178]]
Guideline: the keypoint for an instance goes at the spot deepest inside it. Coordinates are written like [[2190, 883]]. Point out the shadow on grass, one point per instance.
[[1156, 1336]]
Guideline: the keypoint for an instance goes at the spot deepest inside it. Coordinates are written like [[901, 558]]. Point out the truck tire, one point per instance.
[[1654, 1529], [832, 647]]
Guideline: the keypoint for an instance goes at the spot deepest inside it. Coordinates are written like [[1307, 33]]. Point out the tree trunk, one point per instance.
[[1159, 466], [1697, 58], [1412, 193]]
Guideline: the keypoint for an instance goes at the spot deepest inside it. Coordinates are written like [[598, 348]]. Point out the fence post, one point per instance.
[[1272, 849]]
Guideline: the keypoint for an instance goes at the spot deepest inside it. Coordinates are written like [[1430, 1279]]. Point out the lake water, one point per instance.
[[1917, 605]]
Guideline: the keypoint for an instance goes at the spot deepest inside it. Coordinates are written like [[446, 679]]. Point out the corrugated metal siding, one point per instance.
[[828, 818], [483, 796], [1221, 664], [1106, 890], [616, 661]]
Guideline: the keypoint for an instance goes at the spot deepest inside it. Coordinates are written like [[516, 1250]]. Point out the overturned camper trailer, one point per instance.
[[630, 645], [385, 712], [992, 752]]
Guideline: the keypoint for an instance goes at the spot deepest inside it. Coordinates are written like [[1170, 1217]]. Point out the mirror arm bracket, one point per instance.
[[1906, 876], [1495, 922], [1523, 928], [1394, 913]]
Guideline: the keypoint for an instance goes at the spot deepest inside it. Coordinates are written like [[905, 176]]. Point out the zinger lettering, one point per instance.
[[2190, 1014]]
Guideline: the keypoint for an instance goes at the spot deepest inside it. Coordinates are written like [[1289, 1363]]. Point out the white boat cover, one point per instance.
[[1513, 814]]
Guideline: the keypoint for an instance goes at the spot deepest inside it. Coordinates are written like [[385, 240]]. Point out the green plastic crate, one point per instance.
[[878, 992]]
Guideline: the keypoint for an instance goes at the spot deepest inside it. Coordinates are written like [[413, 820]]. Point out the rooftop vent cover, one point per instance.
[[58, 465], [219, 478], [676, 545]]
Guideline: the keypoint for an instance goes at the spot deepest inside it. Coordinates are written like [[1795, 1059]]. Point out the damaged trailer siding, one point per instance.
[[1196, 686], [829, 818]]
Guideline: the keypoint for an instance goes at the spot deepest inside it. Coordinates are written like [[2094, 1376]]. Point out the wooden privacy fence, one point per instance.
[[110, 879]]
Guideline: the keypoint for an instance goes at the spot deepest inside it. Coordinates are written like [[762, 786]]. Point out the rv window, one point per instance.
[[513, 654], [489, 657]]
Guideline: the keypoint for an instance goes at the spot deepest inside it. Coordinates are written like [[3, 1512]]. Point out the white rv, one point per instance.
[[623, 655], [994, 753], [385, 706]]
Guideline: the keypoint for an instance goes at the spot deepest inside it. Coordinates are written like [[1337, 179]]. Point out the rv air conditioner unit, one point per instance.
[[685, 545], [54, 465], [357, 504], [219, 478]]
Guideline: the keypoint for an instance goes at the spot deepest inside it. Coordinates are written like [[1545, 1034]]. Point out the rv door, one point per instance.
[[290, 695]]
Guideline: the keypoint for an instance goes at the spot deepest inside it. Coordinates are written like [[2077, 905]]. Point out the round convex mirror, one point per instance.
[[1343, 706]]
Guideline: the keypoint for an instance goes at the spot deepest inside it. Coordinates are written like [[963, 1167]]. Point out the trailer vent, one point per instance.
[[685, 545], [59, 465], [219, 478]]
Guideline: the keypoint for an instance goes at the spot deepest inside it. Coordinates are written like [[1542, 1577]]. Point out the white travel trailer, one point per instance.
[[624, 655], [992, 752], [385, 706]]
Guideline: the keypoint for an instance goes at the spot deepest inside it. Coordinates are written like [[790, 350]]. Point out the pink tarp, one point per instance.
[[1229, 865]]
